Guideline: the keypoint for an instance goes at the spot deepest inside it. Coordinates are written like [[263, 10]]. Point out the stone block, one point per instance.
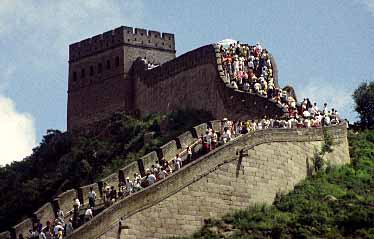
[[149, 159], [169, 150], [199, 130], [23, 228], [129, 171], [216, 125], [186, 139], [45, 213], [65, 200], [111, 180]]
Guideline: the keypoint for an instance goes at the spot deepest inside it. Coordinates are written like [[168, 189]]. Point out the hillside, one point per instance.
[[334, 203], [62, 162]]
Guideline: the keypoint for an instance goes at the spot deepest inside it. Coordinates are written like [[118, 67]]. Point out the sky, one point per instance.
[[324, 48]]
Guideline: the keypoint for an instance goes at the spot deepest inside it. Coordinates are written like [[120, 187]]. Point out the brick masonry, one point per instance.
[[250, 169]]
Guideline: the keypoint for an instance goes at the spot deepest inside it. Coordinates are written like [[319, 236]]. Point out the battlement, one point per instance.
[[122, 36]]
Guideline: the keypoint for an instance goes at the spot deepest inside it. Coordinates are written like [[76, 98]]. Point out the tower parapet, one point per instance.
[[123, 35]]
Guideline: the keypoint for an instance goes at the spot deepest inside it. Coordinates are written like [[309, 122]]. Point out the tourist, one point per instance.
[[107, 196], [60, 215], [113, 194], [91, 198], [88, 215], [177, 162], [42, 235], [57, 228], [189, 154], [129, 185], [151, 178], [137, 184], [69, 227]]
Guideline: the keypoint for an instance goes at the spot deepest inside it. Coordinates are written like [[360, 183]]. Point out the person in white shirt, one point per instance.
[[214, 140], [91, 197], [257, 87], [129, 185], [253, 126], [258, 47], [325, 110], [306, 114], [57, 228], [77, 203], [60, 215], [327, 120], [151, 178], [226, 135], [234, 85], [251, 64], [314, 109], [177, 162], [88, 215], [307, 123]]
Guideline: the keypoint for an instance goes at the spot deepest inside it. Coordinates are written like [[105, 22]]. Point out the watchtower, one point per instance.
[[99, 82]]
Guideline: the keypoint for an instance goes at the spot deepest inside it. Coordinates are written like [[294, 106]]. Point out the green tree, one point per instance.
[[364, 100]]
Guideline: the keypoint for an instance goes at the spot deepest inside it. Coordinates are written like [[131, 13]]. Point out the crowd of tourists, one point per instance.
[[249, 68], [56, 229]]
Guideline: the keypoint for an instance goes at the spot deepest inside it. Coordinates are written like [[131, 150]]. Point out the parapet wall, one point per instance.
[[122, 36], [250, 169], [196, 80]]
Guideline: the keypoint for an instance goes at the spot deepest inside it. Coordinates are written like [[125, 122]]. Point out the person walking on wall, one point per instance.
[[91, 197]]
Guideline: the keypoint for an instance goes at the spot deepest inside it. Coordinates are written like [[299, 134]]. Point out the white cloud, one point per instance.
[[18, 135]]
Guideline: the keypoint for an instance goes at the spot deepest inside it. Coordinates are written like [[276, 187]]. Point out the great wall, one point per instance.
[[248, 170]]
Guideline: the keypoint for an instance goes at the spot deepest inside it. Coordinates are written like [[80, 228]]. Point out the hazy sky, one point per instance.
[[323, 48]]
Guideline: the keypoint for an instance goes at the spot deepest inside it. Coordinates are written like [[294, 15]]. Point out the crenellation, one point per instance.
[[120, 36]]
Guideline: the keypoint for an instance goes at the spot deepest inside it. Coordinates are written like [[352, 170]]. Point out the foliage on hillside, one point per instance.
[[335, 203], [62, 162], [363, 97]]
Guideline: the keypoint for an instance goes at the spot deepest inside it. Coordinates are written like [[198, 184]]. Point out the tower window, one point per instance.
[[117, 61], [108, 64], [91, 70], [74, 76], [83, 73], [99, 68]]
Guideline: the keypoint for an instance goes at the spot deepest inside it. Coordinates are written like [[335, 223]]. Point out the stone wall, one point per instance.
[[196, 80], [250, 169]]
